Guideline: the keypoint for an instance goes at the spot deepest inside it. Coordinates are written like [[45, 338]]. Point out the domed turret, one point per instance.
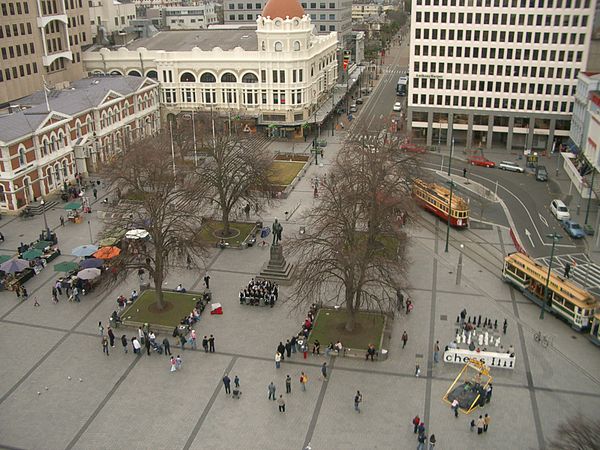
[[283, 9]]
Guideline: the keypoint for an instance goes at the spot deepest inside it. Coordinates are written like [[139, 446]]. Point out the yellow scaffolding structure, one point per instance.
[[471, 383]]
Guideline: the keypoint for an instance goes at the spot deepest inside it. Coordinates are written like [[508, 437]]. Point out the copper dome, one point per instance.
[[283, 9]]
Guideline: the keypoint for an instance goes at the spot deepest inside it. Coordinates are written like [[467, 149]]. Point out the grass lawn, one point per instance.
[[241, 231], [284, 172], [178, 306], [329, 327]]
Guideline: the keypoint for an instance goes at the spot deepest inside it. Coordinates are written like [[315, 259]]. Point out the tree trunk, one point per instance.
[[351, 313], [225, 220], [158, 282]]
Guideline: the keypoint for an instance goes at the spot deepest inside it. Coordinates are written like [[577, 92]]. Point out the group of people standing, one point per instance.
[[259, 291]]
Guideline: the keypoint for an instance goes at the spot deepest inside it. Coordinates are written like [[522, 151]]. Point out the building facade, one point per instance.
[[498, 73], [277, 74], [587, 82], [362, 10], [54, 137], [189, 17], [326, 15], [110, 16]]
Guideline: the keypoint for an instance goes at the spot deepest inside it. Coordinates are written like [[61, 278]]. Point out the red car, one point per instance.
[[480, 161], [412, 148]]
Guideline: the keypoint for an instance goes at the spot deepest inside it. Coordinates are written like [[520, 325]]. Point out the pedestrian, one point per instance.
[[211, 343], [370, 352], [173, 363], [277, 360], [436, 352], [95, 191], [288, 349], [504, 326], [227, 383], [404, 338], [357, 401], [62, 221], [58, 287], [288, 385], [188, 262], [140, 335], [464, 172], [421, 439], [409, 306], [147, 345], [454, 407], [111, 336], [486, 423], [105, 345], [472, 425], [480, 423], [193, 339], [303, 381], [137, 347], [179, 362], [432, 442], [281, 350], [271, 389], [293, 343], [124, 342], [54, 294], [416, 421], [35, 302], [421, 428], [167, 346], [205, 344], [100, 329], [417, 370], [182, 341], [567, 270], [488, 393], [324, 371], [281, 404], [236, 382], [316, 348], [207, 280]]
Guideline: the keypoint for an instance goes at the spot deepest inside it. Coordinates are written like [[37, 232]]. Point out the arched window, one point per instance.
[[134, 73], [54, 143], [2, 194], [249, 78], [263, 46], [228, 77], [57, 172], [90, 125], [278, 46], [78, 129], [207, 77], [22, 157], [187, 77], [152, 74], [296, 46], [61, 140], [115, 72], [65, 169], [49, 177], [46, 147]]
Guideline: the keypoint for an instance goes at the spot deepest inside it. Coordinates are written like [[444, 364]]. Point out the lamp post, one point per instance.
[[172, 146], [459, 267], [451, 183], [46, 228], [587, 209], [450, 160], [194, 135], [90, 231], [555, 237]]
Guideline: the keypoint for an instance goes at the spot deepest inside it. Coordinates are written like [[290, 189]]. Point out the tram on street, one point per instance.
[[595, 329], [435, 198], [565, 300]]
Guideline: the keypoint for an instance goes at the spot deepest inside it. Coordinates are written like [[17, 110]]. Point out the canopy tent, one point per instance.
[[41, 245], [66, 266], [32, 253], [84, 250], [91, 263], [89, 274], [72, 206], [137, 234], [14, 265], [107, 252], [112, 237], [4, 258]]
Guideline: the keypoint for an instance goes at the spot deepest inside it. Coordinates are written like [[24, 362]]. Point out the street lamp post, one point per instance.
[[555, 237], [587, 210], [459, 267], [450, 159], [449, 214], [90, 231], [47, 229]]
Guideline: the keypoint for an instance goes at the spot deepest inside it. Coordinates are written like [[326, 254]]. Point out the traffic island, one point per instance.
[[369, 328], [177, 305]]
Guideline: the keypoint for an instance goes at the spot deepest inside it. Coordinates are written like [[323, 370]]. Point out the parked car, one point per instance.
[[359, 101], [397, 106], [541, 174], [353, 108], [511, 166], [477, 160], [573, 229], [559, 210]]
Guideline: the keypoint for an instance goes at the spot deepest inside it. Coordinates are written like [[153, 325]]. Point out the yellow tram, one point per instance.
[[435, 198], [565, 300], [595, 329]]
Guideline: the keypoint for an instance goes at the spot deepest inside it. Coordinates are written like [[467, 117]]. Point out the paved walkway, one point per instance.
[[88, 401]]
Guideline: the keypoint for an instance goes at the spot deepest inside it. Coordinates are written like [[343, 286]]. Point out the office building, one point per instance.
[[189, 17], [108, 17], [496, 73]]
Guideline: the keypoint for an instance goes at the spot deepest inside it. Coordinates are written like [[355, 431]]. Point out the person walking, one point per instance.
[[421, 439], [486, 423], [288, 384], [436, 353], [454, 406], [194, 340], [140, 335], [227, 383], [54, 294], [124, 343], [288, 349], [504, 326], [173, 363], [58, 286], [111, 336], [404, 338], [178, 362], [137, 347], [421, 428], [303, 381], [182, 341], [207, 280], [205, 344], [167, 346], [281, 350], [464, 172], [281, 404], [62, 223], [480, 423], [567, 271], [95, 192], [277, 360], [147, 345], [272, 389], [432, 442], [488, 393], [100, 329], [211, 344], [324, 371], [236, 382], [105, 345], [416, 421], [357, 401]]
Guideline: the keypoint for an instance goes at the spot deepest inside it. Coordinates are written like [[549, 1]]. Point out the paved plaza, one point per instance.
[[90, 401]]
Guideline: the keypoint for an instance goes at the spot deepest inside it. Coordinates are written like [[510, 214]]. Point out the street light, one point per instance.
[[451, 183], [459, 268], [90, 230], [43, 203], [555, 237], [587, 210], [450, 160]]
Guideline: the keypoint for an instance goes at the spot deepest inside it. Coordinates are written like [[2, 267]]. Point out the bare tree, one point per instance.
[[577, 433], [354, 244], [166, 206], [234, 172]]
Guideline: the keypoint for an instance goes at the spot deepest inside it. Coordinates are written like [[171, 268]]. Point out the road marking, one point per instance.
[[529, 236], [543, 219]]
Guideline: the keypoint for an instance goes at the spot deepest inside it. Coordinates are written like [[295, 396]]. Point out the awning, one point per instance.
[[72, 206]]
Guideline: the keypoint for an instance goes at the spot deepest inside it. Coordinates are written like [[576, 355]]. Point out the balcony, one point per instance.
[[45, 20], [49, 59]]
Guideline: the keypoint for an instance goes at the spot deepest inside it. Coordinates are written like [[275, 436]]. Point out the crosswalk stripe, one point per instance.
[[585, 273]]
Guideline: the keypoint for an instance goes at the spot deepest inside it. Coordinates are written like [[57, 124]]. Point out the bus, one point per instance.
[[402, 87], [435, 198], [565, 300]]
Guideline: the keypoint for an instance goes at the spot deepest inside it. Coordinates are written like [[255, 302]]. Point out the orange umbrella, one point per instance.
[[107, 252]]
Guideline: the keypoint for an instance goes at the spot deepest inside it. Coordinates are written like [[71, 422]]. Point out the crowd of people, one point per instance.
[[259, 292], [194, 316]]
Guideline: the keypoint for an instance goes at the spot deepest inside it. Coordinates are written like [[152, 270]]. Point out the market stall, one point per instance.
[[74, 212]]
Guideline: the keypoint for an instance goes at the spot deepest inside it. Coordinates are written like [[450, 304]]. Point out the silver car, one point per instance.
[[511, 166]]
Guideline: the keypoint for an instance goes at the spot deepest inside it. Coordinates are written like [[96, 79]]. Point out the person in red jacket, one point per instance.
[[416, 421]]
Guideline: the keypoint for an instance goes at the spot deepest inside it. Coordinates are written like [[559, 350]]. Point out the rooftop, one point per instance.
[[226, 39], [283, 9]]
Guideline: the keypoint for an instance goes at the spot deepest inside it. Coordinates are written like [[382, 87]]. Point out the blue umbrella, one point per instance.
[[84, 250], [14, 265], [91, 263]]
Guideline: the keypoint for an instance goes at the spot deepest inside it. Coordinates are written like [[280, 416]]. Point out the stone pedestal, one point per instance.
[[277, 268]]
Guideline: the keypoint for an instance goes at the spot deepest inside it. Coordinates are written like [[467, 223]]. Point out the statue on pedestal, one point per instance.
[[277, 230]]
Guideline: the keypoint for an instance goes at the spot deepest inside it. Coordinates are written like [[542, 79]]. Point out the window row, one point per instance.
[[18, 50], [231, 6], [548, 20], [278, 76], [322, 5], [21, 29], [577, 4], [15, 8], [56, 65], [496, 103], [498, 53], [512, 37], [494, 86], [17, 72], [230, 96], [497, 70], [54, 45]]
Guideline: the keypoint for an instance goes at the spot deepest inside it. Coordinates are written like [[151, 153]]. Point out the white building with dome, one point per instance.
[[280, 72]]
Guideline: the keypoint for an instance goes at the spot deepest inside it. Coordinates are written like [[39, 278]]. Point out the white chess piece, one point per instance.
[[486, 338], [469, 338], [498, 341], [480, 340]]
